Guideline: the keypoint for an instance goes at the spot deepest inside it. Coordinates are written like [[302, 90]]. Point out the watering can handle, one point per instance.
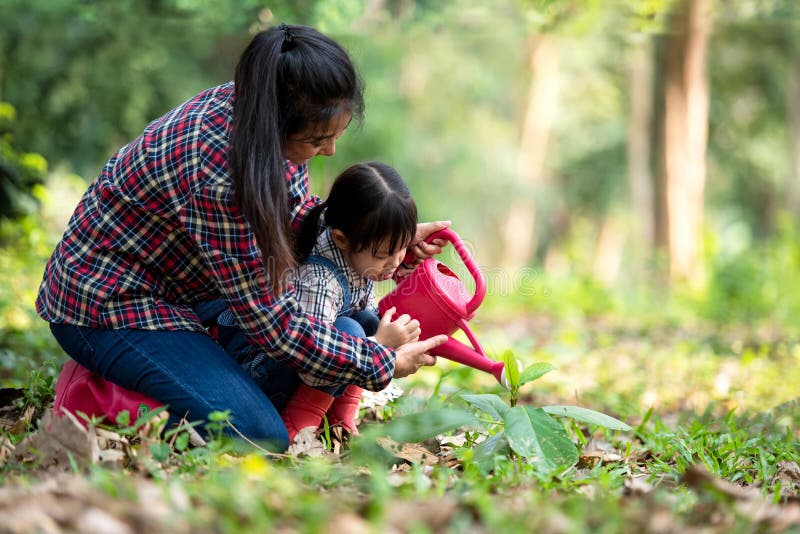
[[480, 282]]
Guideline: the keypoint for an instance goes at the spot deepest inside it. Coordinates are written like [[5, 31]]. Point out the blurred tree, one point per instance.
[[793, 105], [645, 20], [638, 153], [87, 76], [682, 155], [518, 233], [20, 172], [751, 126]]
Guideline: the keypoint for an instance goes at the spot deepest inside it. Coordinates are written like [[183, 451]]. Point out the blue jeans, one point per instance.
[[189, 372], [262, 369]]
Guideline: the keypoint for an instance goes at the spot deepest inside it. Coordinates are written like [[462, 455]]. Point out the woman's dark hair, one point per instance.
[[289, 80], [370, 204]]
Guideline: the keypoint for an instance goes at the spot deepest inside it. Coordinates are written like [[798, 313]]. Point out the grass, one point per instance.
[[666, 383], [714, 444]]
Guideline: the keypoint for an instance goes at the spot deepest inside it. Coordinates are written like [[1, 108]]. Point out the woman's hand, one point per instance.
[[402, 330], [412, 356]]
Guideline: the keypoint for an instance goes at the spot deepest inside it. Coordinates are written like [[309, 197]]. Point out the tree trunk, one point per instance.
[[684, 141], [518, 233], [640, 144], [608, 256], [793, 97]]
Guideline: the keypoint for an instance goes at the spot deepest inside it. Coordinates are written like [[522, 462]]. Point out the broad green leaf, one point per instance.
[[535, 435], [123, 418], [534, 372], [512, 369], [160, 451], [484, 452], [423, 425], [182, 441], [489, 403], [587, 416]]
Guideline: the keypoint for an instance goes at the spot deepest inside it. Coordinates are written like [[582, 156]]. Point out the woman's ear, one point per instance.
[[339, 239]]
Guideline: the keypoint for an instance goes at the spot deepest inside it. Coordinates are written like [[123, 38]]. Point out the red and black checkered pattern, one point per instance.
[[158, 231]]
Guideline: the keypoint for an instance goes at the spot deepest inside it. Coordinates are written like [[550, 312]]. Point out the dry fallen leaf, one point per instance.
[[67, 503], [6, 448], [433, 514], [306, 443], [56, 442], [349, 523], [410, 452], [637, 485], [749, 502], [788, 473], [23, 423], [699, 478]]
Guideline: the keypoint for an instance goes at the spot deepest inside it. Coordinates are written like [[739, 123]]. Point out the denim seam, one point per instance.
[[84, 338]]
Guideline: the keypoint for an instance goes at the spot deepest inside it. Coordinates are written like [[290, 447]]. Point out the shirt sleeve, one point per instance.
[[276, 323]]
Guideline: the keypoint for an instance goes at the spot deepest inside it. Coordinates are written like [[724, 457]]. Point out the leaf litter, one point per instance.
[[54, 495]]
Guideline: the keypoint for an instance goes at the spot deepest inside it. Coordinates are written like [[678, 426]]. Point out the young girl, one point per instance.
[[368, 221]]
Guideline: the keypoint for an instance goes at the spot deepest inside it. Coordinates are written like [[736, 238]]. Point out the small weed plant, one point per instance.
[[503, 430]]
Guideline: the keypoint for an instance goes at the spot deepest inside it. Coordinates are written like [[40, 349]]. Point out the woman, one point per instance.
[[199, 208]]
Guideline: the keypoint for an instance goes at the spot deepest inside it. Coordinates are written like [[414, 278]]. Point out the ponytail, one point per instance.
[[289, 80], [307, 237], [256, 158]]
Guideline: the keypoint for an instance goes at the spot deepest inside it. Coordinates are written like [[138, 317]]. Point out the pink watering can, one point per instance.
[[436, 297]]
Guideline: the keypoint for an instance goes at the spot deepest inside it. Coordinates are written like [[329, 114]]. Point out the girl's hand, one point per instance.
[[412, 356], [422, 250], [402, 330]]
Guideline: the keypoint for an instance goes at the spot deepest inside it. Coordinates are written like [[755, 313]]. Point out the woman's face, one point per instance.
[[320, 141]]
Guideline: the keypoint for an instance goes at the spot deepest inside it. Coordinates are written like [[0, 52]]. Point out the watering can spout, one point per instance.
[[475, 357]]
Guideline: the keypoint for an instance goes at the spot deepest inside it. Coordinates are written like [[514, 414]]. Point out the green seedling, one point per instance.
[[533, 433], [512, 375], [528, 431]]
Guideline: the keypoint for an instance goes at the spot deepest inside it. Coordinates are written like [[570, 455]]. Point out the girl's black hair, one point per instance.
[[370, 203], [289, 80]]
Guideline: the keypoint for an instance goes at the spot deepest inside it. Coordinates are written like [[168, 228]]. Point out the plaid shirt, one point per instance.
[[319, 292], [158, 232]]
